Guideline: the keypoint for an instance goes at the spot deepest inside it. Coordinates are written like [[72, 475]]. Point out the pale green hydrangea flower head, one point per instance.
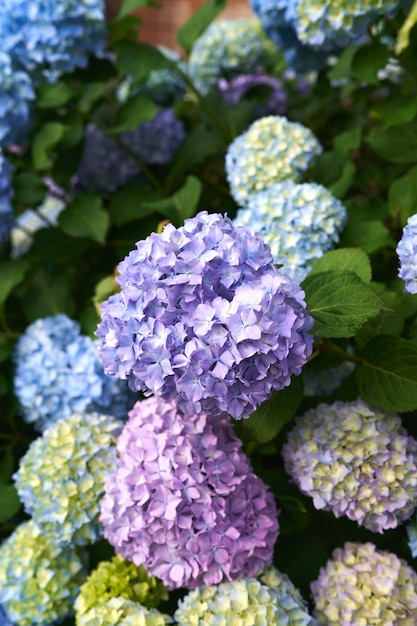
[[271, 601], [122, 612], [271, 151], [122, 579], [362, 586], [39, 580], [61, 477]]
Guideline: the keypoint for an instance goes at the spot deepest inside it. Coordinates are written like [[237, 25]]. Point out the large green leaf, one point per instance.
[[11, 274], [137, 109], [368, 60], [198, 22], [402, 196], [339, 302], [182, 204], [29, 190], [352, 259], [47, 294], [6, 466], [52, 95], [9, 502], [129, 204], [44, 142], [397, 144], [369, 235], [85, 217], [388, 376], [136, 60], [128, 6]]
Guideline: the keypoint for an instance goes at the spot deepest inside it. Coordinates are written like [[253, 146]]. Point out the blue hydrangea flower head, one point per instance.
[[354, 460], [233, 91], [122, 612], [407, 255], [300, 222], [184, 501], [6, 196], [71, 460], [49, 38], [272, 150], [361, 584], [105, 166], [271, 600], [205, 317], [225, 49], [58, 373], [39, 580], [16, 96], [4, 620]]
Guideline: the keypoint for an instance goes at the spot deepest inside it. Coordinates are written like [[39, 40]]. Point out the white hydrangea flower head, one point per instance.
[[121, 612]]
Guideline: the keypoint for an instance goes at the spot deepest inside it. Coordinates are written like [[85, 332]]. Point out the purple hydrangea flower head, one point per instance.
[[6, 196], [58, 372], [49, 38], [245, 601], [71, 460], [16, 96], [407, 254], [354, 460], [184, 501], [271, 151], [225, 49], [121, 612], [204, 317], [361, 584], [39, 580], [300, 222], [105, 166], [234, 90]]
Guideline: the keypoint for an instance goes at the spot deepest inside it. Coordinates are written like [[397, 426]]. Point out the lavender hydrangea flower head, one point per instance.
[[118, 578], [16, 95], [272, 150], [300, 222], [71, 460], [6, 196], [48, 39], [205, 317], [105, 166], [354, 460], [407, 254], [184, 501], [245, 601], [58, 373], [225, 49], [39, 580], [122, 612], [363, 585], [233, 91]]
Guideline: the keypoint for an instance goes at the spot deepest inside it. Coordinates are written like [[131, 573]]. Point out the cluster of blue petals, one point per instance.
[[407, 255], [16, 95], [6, 195]]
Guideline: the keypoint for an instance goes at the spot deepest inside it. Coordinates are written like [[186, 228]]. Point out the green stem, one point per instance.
[[328, 347]]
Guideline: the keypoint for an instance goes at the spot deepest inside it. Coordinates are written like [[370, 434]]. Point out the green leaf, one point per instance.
[[369, 235], [339, 302], [198, 22], [398, 144], [199, 144], [9, 502], [5, 348], [136, 60], [402, 196], [85, 217], [342, 68], [47, 295], [368, 60], [182, 204], [269, 418], [105, 288], [44, 142], [329, 167], [129, 204], [51, 96], [29, 190], [352, 259], [388, 378], [6, 466], [133, 5], [396, 110], [347, 141], [138, 109], [123, 29], [385, 323], [342, 184], [91, 93], [11, 274]]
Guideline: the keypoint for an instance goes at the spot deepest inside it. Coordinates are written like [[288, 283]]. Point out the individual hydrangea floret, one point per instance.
[[271, 151], [205, 317], [118, 579], [58, 372], [184, 501], [354, 460], [48, 39], [362, 585], [300, 222], [71, 460], [105, 166], [225, 49], [122, 612], [6, 196], [407, 254], [272, 600], [16, 96], [39, 580], [234, 90]]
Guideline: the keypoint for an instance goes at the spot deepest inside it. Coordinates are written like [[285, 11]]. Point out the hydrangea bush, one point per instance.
[[208, 315]]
